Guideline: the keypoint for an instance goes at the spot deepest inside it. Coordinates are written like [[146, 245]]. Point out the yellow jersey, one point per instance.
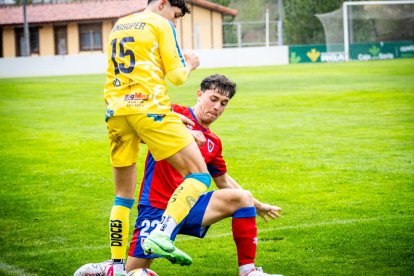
[[142, 49]]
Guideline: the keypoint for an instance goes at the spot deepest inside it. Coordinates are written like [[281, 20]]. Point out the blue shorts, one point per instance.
[[149, 217]]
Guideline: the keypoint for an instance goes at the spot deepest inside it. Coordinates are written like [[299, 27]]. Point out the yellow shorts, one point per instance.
[[164, 134]]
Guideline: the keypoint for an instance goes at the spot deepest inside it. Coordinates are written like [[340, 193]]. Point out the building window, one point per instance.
[[34, 41], [90, 37], [61, 40]]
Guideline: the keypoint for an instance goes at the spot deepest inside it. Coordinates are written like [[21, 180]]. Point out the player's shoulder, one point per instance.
[[146, 17], [180, 109], [154, 19]]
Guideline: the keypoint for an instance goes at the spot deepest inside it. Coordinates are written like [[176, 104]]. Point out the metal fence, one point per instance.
[[241, 34]]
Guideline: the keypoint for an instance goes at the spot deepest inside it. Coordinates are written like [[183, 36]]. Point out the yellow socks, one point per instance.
[[119, 227], [183, 199]]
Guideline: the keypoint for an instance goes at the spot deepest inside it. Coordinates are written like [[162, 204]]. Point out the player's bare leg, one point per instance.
[[125, 180], [224, 203]]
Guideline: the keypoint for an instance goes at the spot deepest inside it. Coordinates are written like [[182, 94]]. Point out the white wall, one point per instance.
[[240, 57], [96, 63], [52, 66]]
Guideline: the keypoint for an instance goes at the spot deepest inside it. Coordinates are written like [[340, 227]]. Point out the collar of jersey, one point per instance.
[[203, 129]]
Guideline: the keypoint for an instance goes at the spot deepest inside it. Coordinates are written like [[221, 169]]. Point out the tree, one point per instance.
[[222, 2], [300, 23]]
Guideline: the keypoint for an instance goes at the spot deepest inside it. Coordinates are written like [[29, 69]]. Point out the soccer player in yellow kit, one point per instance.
[[143, 50]]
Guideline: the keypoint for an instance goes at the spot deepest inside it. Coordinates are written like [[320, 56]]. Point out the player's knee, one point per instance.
[[246, 198], [241, 198], [204, 178]]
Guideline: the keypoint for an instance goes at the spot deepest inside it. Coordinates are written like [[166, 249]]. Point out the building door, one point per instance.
[[61, 40]]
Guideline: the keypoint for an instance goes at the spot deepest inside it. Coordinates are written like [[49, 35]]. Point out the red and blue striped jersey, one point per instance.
[[161, 179]]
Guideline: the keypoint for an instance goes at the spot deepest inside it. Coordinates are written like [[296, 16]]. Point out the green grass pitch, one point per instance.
[[332, 144]]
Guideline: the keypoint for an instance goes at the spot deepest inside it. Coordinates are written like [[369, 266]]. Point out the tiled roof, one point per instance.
[[213, 6], [75, 11], [85, 10]]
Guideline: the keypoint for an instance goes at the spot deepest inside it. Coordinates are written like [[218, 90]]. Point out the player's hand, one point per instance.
[[192, 60], [267, 211], [185, 120], [198, 137]]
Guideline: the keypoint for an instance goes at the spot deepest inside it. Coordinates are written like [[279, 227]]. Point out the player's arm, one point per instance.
[[176, 64], [225, 181], [264, 210], [184, 119], [180, 75], [198, 137]]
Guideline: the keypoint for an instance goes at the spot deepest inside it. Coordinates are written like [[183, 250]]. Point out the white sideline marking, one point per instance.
[[275, 228], [300, 226], [13, 269]]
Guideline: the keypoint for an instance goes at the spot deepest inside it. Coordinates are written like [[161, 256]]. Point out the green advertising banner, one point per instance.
[[358, 51], [306, 53], [381, 50]]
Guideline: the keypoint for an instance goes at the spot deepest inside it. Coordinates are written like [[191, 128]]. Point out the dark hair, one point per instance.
[[181, 4], [220, 83]]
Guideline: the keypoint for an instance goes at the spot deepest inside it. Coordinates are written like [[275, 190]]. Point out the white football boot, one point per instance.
[[97, 269], [258, 271]]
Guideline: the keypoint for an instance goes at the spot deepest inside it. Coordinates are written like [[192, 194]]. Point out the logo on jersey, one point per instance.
[[156, 117], [117, 83], [109, 113], [136, 96], [210, 145]]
